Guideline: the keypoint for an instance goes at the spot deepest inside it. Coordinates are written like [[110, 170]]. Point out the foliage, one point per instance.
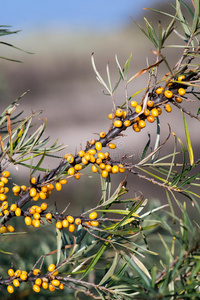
[[108, 251]]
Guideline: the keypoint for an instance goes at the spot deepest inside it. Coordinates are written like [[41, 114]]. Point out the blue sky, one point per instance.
[[73, 14]]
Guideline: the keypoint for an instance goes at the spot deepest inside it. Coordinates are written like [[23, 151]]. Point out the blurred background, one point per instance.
[[62, 36]]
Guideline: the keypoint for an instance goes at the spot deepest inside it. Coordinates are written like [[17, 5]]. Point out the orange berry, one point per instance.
[[93, 215], [36, 288], [18, 273], [70, 219], [154, 112], [94, 223], [58, 186], [6, 174], [98, 161], [127, 123], [45, 285], [44, 206], [16, 282], [150, 103], [51, 288], [111, 116], [13, 207], [159, 111], [84, 160], [102, 134], [102, 166], [106, 155], [94, 169], [108, 168], [4, 180], [92, 151], [134, 103], [51, 267], [136, 128], [59, 225], [36, 216], [71, 228], [35, 223], [141, 124], [81, 153], [27, 221], [36, 272], [181, 77], [92, 159], [23, 188], [178, 99], [11, 272], [65, 223], [77, 221], [16, 189], [63, 181], [3, 229], [138, 109], [55, 282], [119, 112], [10, 289], [168, 108], [50, 187], [18, 212], [98, 146], [168, 94], [181, 91], [159, 90], [101, 155], [10, 228], [33, 180], [77, 176], [23, 277], [48, 216], [92, 142], [61, 286], [104, 173], [38, 281], [146, 112], [79, 167], [118, 123], [33, 192], [87, 156], [3, 197], [69, 158], [111, 146], [115, 169], [42, 195], [150, 119], [71, 171]]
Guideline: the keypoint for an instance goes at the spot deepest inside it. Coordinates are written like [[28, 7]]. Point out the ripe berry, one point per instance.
[[3, 229], [102, 134], [13, 207], [138, 109], [134, 103], [65, 223], [51, 267], [44, 206], [38, 281], [127, 123], [92, 151], [23, 276], [33, 180], [71, 171], [92, 159], [150, 103], [69, 158], [36, 272], [150, 119], [58, 186], [4, 180], [23, 188], [111, 116], [77, 221], [50, 187], [45, 285], [98, 161], [79, 167], [27, 221], [35, 223], [55, 282], [36, 288], [16, 189], [92, 142], [33, 192], [94, 223], [42, 195], [104, 173], [16, 282], [146, 112], [94, 169], [70, 219], [36, 216], [181, 91], [93, 215], [98, 146], [111, 146], [11, 272], [181, 77], [18, 212], [154, 112], [81, 153], [118, 123], [71, 228], [102, 166], [101, 155], [51, 288], [159, 90], [77, 176], [168, 94], [141, 124], [168, 108], [136, 128], [178, 99], [108, 168], [10, 289], [119, 112], [48, 216], [59, 225], [6, 174], [61, 286], [10, 228], [121, 168], [115, 169], [63, 181], [159, 111]]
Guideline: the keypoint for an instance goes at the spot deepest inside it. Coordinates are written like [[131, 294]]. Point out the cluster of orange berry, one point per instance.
[[35, 211], [49, 282], [97, 158]]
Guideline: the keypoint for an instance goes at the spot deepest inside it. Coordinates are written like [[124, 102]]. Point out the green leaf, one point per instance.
[[189, 146], [146, 147], [195, 23], [110, 270], [59, 244]]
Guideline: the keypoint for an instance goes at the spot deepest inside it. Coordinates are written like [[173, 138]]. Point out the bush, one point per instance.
[[123, 247]]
